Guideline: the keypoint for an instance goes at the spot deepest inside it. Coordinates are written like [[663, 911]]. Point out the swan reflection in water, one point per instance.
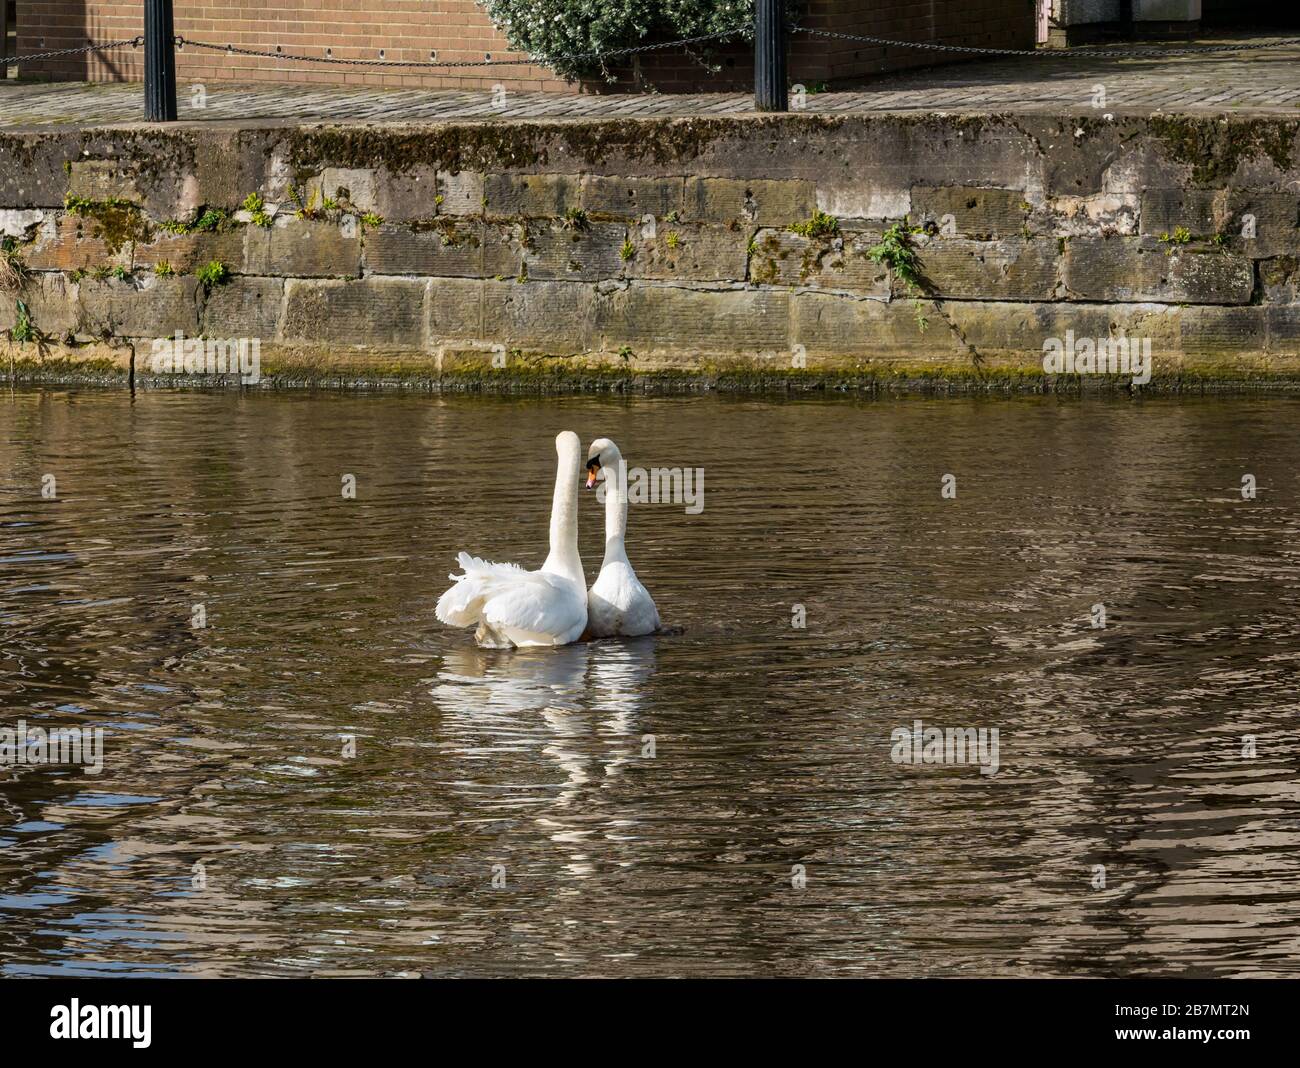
[[576, 705]]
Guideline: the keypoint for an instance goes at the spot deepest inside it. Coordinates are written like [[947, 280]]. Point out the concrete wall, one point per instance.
[[603, 251], [459, 30]]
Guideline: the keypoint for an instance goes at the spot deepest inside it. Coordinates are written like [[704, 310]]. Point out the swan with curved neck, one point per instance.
[[617, 603], [509, 606]]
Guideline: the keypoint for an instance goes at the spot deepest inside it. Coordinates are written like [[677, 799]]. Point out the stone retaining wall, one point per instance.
[[731, 250]]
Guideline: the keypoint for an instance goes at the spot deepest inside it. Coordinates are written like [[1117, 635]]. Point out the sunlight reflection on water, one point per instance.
[[224, 748]]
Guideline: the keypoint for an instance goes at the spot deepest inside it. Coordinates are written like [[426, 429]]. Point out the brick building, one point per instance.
[[458, 30]]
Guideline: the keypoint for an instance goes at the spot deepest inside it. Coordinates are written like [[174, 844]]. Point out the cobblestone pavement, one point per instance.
[[1248, 83]]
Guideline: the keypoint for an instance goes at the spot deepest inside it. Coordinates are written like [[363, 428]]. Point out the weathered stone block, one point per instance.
[[764, 202], [355, 186], [374, 312], [1139, 269], [780, 257], [549, 316], [631, 198], [1283, 328], [971, 211], [228, 164], [408, 195], [503, 249], [690, 253], [709, 321], [454, 248], [187, 252], [1002, 327], [455, 310], [32, 173], [1217, 330], [576, 253], [1091, 216], [243, 307], [1272, 220], [20, 223], [1280, 278], [1165, 210], [104, 179], [1015, 269], [827, 324], [68, 243], [462, 193], [302, 248], [142, 307], [48, 361], [531, 194], [51, 301]]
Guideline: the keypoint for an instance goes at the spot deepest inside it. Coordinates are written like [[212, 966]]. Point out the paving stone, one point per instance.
[[1206, 84]]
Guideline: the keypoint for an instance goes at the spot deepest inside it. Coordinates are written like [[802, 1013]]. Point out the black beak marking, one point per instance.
[[593, 463]]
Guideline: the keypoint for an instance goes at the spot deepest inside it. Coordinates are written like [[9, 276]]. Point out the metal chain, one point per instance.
[[134, 42], [1050, 53], [530, 61], [1037, 53]]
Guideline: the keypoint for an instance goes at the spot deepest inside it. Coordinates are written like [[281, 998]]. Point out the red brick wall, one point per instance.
[[460, 30]]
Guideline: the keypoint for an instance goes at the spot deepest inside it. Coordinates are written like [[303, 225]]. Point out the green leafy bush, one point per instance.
[[550, 30]]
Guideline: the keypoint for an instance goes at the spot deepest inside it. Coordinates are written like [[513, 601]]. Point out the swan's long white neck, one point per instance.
[[615, 509], [563, 558]]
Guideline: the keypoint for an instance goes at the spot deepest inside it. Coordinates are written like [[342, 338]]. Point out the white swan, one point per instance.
[[617, 603], [513, 607]]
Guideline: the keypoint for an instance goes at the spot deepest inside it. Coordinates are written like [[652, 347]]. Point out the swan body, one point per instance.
[[617, 603], [509, 606]]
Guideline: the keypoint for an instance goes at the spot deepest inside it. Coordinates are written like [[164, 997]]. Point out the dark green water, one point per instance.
[[1120, 747]]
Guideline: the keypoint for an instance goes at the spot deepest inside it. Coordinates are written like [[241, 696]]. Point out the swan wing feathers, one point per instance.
[[541, 609], [528, 607], [462, 604]]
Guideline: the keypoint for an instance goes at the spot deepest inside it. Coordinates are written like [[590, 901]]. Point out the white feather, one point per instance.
[[509, 606], [617, 603]]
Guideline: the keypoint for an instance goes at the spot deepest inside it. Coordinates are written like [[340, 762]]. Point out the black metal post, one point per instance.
[[159, 62], [770, 92]]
